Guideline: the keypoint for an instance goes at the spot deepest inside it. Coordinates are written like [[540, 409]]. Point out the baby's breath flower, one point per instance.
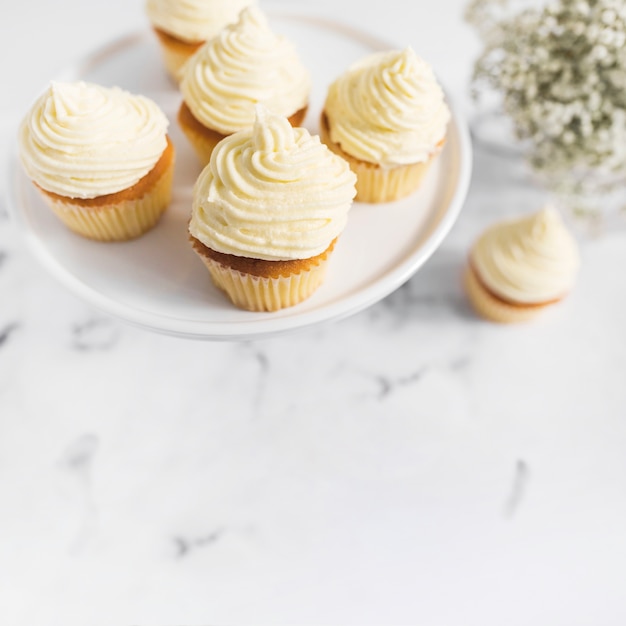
[[608, 16], [560, 68]]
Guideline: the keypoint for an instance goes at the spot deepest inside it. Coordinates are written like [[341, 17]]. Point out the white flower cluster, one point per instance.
[[561, 70]]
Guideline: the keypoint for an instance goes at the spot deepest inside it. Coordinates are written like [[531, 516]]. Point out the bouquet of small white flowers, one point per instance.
[[560, 68]]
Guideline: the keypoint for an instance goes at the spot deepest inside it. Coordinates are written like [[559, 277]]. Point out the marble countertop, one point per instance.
[[411, 464]]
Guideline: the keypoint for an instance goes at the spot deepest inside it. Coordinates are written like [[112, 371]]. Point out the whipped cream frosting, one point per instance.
[[531, 260], [81, 140], [244, 65], [194, 21], [272, 192], [388, 109]]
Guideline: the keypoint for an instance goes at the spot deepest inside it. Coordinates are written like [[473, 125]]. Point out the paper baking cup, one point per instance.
[[256, 293], [125, 219], [267, 285], [375, 183]]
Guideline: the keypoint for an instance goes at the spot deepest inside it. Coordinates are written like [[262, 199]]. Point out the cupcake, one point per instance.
[[520, 267], [100, 157], [388, 118], [267, 211], [182, 26], [244, 65]]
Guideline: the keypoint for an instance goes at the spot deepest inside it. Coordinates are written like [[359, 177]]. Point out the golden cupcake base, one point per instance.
[[175, 52], [123, 215], [257, 285]]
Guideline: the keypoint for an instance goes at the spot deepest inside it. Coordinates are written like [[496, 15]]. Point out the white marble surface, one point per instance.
[[408, 465]]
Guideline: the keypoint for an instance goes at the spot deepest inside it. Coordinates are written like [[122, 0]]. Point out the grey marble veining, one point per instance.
[[411, 464]]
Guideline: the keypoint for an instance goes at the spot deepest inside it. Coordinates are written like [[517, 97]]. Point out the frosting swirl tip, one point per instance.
[[246, 63], [388, 109], [83, 140], [272, 192], [528, 260]]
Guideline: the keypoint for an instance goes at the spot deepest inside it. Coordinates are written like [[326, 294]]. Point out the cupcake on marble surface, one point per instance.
[[244, 65], [267, 212], [182, 26], [388, 118], [100, 157], [520, 267]]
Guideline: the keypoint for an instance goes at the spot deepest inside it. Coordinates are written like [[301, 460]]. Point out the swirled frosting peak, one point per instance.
[[388, 109], [244, 65], [194, 20], [272, 192], [529, 260], [82, 140]]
